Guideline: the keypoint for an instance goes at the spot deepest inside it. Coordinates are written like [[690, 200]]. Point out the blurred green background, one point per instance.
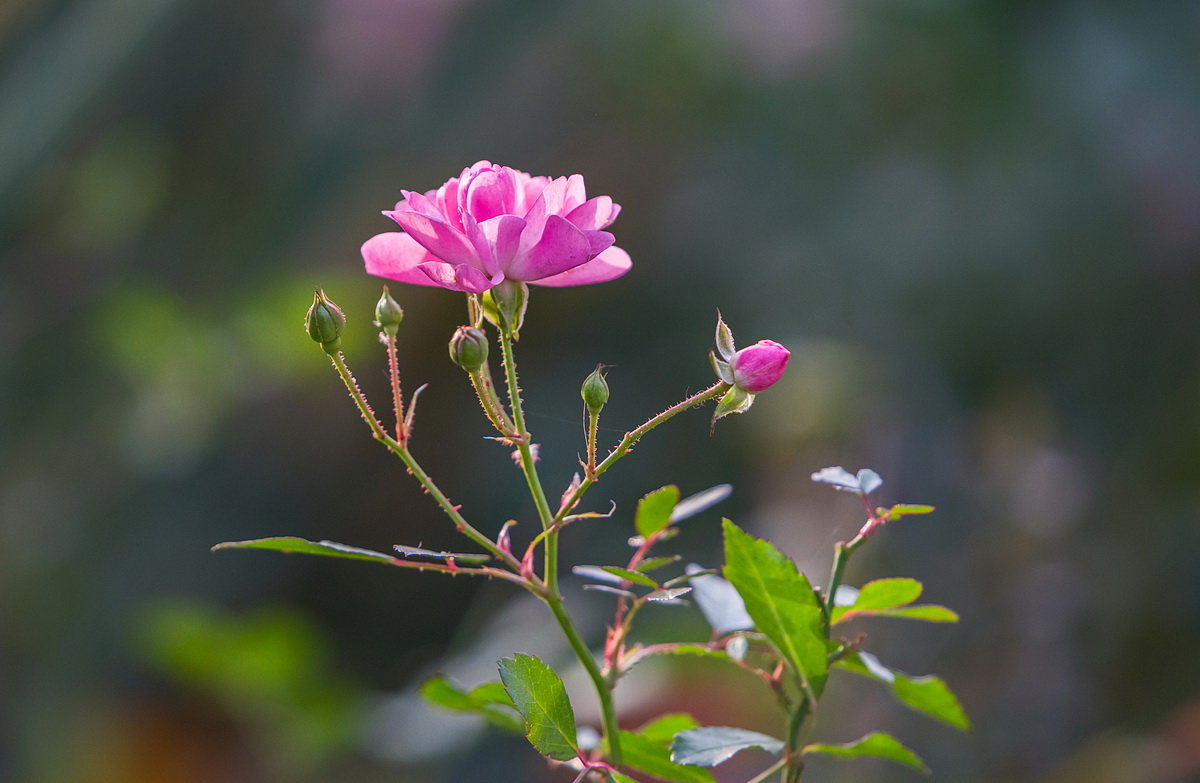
[[976, 224]]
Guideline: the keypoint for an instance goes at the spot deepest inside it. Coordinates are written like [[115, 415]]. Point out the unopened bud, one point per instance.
[[594, 391], [469, 348], [759, 366], [388, 314], [325, 322]]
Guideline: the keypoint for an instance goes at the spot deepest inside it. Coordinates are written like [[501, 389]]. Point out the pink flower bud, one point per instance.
[[758, 366]]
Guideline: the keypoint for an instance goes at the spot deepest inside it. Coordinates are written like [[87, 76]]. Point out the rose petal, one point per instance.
[[598, 242], [457, 278], [574, 193], [438, 238], [592, 214], [562, 246], [609, 265], [417, 202], [489, 193], [503, 234], [550, 202], [396, 256]]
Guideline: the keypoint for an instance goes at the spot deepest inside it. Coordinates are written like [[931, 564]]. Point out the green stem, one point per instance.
[[603, 689], [841, 557], [401, 451], [793, 758], [552, 595]]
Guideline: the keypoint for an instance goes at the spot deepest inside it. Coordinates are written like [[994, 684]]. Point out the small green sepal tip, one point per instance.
[[325, 322], [469, 348], [504, 305], [388, 314], [595, 391], [736, 400]]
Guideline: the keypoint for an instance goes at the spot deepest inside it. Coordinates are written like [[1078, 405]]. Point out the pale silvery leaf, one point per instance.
[[868, 481], [838, 477], [737, 648], [597, 573], [719, 601], [846, 595], [701, 501], [712, 745], [668, 595], [877, 669]]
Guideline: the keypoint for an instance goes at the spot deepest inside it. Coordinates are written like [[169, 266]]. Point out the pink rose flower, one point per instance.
[[759, 366], [492, 223]]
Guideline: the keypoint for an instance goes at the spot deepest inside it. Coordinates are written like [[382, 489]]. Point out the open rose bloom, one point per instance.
[[493, 223]]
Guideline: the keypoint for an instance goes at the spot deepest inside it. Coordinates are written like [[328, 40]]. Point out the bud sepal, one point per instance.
[[736, 400]]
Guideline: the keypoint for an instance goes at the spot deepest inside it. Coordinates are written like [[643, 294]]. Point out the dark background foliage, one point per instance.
[[976, 224]]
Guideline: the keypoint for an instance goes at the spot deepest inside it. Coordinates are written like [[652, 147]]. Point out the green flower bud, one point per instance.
[[594, 391], [388, 314], [469, 348], [325, 322]]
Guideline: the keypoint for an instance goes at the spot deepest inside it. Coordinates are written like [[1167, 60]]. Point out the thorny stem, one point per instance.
[[623, 617], [552, 596], [454, 570], [632, 437], [397, 397], [592, 426], [485, 390], [401, 451]]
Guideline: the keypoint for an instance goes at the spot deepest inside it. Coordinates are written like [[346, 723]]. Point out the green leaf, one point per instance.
[[781, 602], [489, 700], [630, 576], [654, 510], [886, 593], [890, 598], [441, 692], [930, 613], [711, 745], [663, 729], [617, 777], [653, 563], [905, 509], [542, 700], [880, 594], [931, 695], [293, 545], [878, 745], [491, 693], [928, 694], [655, 759]]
